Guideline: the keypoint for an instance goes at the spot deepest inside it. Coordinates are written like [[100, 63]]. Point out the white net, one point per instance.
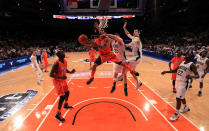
[[103, 23]]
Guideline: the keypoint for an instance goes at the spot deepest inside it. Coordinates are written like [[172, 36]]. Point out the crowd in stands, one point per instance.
[[161, 42], [168, 43]]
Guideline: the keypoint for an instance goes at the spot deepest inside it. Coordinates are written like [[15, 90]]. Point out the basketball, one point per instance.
[[82, 39]]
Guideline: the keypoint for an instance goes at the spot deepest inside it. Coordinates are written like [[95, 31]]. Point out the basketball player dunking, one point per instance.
[[184, 71], [202, 68], [35, 66], [105, 54], [58, 73]]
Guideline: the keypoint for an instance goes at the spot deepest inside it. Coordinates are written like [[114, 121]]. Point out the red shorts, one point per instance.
[[92, 59], [109, 57], [46, 63], [173, 76], [60, 86]]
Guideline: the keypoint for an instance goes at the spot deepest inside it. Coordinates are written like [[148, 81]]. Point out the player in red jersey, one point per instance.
[[58, 73], [176, 61], [44, 58], [92, 54], [103, 44]]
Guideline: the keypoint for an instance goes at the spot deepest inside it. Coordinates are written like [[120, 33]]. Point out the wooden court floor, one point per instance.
[[23, 79]]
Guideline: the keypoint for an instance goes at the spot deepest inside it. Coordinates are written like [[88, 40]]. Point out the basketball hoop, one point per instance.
[[103, 23]]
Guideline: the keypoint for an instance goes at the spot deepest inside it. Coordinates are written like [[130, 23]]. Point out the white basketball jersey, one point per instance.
[[119, 50], [32, 63], [137, 47], [201, 63], [183, 71]]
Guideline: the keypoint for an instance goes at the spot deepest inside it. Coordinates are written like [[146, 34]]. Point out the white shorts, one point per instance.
[[200, 76], [182, 87], [133, 62], [117, 68]]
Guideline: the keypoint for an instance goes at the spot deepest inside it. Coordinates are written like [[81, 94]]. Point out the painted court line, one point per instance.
[[145, 117], [47, 114], [50, 110], [35, 107], [169, 104], [154, 107]]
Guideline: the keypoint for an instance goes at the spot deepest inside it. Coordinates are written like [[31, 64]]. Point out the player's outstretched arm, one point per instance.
[[171, 71], [54, 68], [71, 72], [126, 31], [194, 69], [114, 37]]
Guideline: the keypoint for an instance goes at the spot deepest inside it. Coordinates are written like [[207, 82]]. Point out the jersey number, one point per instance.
[[179, 72]]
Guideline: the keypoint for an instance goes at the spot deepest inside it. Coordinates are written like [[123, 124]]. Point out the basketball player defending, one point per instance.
[[184, 71], [136, 46], [119, 51], [44, 59], [176, 61], [92, 54], [202, 65], [58, 73], [35, 66]]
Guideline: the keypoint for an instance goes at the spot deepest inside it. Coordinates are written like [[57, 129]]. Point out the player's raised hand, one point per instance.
[[125, 24]]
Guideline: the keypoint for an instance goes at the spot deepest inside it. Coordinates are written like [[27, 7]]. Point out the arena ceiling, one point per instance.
[[185, 14]]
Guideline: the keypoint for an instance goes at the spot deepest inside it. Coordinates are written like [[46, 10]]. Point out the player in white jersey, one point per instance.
[[183, 75], [202, 64], [119, 50], [36, 68], [136, 46]]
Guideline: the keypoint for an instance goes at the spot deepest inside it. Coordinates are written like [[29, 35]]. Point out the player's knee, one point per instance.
[[67, 93], [62, 98]]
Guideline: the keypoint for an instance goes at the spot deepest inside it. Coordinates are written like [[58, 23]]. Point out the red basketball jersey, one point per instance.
[[107, 49], [44, 56], [62, 69], [176, 61], [92, 53]]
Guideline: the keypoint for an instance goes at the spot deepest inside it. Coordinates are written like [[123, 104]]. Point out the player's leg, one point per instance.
[[66, 106], [132, 63], [46, 65], [116, 69], [186, 108], [178, 106], [133, 66], [180, 97], [60, 90], [190, 83], [58, 114], [124, 73], [201, 83], [39, 76], [173, 78], [174, 83], [96, 63]]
